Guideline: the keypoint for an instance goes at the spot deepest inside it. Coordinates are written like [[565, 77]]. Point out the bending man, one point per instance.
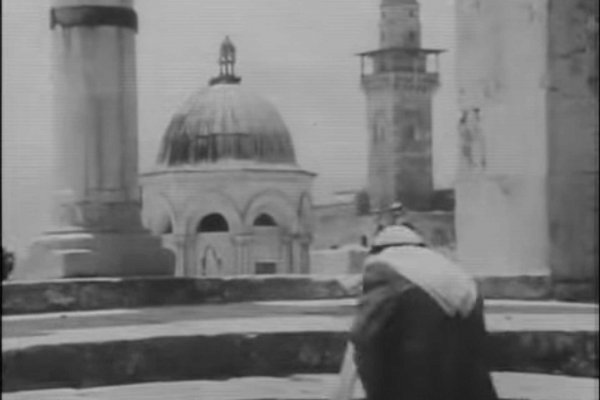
[[419, 333]]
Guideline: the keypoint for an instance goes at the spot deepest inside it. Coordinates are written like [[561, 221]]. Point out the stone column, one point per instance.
[[572, 121], [528, 191], [287, 254], [304, 241], [98, 230], [180, 244], [501, 222]]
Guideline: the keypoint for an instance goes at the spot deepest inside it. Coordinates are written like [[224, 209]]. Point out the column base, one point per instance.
[[92, 254]]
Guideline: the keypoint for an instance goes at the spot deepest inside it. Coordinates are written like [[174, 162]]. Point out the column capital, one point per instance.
[[92, 13]]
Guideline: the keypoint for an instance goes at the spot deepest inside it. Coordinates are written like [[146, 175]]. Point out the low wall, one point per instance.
[[222, 356], [338, 227], [105, 293], [96, 294]]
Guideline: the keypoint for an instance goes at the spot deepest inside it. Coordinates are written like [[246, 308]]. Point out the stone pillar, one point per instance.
[[98, 230], [572, 122], [190, 256], [527, 191], [304, 241], [180, 244], [287, 254]]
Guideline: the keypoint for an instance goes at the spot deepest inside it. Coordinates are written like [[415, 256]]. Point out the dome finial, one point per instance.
[[226, 64]]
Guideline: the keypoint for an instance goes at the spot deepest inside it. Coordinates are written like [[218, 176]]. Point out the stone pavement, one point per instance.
[[511, 386], [278, 338], [23, 331]]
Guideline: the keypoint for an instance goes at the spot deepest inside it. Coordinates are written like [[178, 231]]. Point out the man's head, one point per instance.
[[396, 235]]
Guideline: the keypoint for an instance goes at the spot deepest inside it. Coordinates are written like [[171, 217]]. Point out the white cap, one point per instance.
[[397, 235], [396, 206]]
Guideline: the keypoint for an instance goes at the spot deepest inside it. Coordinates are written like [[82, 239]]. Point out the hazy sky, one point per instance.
[[297, 53]]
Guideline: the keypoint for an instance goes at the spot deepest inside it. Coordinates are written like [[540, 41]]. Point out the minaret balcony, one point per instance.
[[400, 60], [405, 80]]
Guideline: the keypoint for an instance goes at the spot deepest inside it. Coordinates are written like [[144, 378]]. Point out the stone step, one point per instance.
[[510, 386], [114, 347], [110, 293]]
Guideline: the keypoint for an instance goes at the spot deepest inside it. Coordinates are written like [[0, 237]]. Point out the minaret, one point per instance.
[[399, 85], [97, 224]]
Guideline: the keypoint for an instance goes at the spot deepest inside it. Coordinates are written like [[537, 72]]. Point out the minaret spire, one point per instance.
[[400, 25], [227, 59]]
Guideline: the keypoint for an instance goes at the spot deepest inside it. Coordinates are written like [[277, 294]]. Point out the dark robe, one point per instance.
[[408, 348]]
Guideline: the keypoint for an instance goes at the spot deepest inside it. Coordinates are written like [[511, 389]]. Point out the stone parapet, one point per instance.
[[106, 293], [109, 293], [418, 82]]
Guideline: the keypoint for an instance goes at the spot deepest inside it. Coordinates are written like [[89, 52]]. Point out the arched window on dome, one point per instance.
[[264, 220], [213, 223]]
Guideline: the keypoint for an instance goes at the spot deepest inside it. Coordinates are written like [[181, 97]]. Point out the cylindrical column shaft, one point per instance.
[[94, 73], [99, 230]]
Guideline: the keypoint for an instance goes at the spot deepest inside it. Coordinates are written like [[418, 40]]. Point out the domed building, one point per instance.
[[227, 194]]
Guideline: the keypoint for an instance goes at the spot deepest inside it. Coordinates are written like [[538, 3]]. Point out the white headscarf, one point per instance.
[[453, 289]]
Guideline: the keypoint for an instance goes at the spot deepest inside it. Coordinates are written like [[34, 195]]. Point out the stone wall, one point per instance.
[[337, 225]]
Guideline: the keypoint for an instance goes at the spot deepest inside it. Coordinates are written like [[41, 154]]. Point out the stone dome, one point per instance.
[[222, 122]]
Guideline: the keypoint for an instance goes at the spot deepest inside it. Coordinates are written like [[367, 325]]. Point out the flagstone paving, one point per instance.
[[21, 331], [511, 386]]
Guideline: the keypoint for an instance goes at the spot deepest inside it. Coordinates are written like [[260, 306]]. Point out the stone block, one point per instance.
[[576, 291], [89, 254], [524, 287]]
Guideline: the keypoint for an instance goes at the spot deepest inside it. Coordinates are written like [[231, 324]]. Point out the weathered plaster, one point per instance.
[[527, 66]]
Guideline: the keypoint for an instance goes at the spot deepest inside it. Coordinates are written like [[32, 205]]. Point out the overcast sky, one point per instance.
[[297, 53]]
